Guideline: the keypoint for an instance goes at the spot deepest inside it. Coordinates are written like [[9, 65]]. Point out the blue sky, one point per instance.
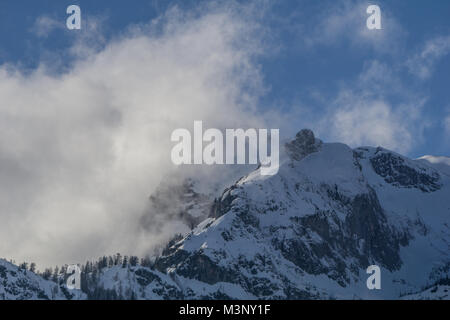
[[306, 65]]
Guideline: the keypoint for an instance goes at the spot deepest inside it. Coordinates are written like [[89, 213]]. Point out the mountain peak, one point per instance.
[[304, 143]]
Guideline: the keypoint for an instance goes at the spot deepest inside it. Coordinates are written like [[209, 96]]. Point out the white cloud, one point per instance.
[[366, 121], [363, 113], [422, 63], [45, 24], [80, 152]]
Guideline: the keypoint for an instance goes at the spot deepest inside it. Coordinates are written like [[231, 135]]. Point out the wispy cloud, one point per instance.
[[364, 111], [45, 24], [364, 120], [446, 123], [423, 63]]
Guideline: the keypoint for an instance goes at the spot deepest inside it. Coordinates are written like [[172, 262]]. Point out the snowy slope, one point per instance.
[[18, 284], [437, 292], [440, 163]]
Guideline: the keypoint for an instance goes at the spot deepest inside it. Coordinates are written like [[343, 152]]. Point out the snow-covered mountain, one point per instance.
[[437, 292], [21, 284], [185, 198], [309, 232], [179, 202], [440, 163]]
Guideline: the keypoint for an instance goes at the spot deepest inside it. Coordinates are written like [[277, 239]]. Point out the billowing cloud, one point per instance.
[[80, 152]]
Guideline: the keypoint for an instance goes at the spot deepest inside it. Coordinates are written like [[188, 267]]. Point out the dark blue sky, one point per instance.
[[308, 63]]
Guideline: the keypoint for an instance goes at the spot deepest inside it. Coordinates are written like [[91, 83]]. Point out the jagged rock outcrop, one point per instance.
[[304, 143], [176, 202]]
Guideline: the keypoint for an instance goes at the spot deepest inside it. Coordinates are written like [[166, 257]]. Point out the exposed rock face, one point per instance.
[[365, 224], [303, 144], [224, 204], [172, 202], [396, 171]]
